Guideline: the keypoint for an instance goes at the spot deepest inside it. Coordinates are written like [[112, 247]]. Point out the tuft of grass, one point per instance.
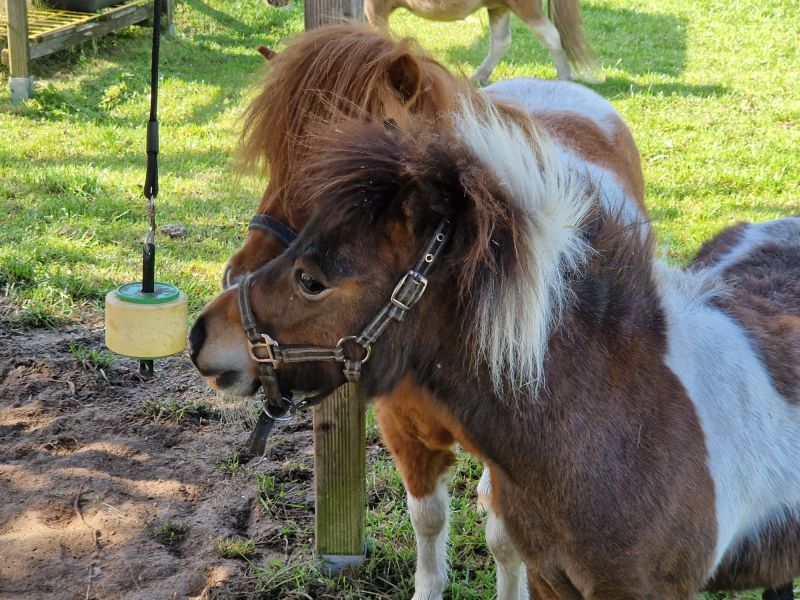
[[178, 411], [234, 463], [91, 359], [241, 549], [168, 534]]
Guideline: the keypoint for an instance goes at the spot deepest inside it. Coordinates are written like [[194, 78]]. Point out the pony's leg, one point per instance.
[[421, 450], [512, 580], [499, 41], [530, 12], [785, 592], [430, 518], [377, 13]]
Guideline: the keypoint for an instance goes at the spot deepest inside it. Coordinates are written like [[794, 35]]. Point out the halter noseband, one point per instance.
[[353, 351]]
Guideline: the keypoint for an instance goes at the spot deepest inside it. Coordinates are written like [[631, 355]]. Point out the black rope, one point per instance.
[[151, 178]]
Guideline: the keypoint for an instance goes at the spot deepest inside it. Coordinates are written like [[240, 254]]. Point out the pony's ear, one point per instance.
[[404, 76], [267, 53]]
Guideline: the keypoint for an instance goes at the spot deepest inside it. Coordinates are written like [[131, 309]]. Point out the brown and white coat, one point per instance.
[[640, 432]]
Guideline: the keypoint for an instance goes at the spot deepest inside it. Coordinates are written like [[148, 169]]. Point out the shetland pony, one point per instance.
[[352, 70], [565, 40], [640, 421]]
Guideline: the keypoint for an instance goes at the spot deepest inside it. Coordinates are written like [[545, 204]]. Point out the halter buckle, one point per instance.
[[419, 283], [269, 345]]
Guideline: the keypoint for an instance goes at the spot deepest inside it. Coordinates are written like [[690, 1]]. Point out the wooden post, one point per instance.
[[340, 478], [339, 421], [19, 75], [169, 13]]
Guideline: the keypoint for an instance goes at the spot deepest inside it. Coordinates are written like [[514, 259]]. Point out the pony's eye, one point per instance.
[[308, 284]]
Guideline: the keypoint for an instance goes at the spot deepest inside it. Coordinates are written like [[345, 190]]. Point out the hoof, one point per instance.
[[592, 78]]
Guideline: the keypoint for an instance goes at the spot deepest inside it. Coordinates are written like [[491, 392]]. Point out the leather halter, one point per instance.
[[280, 231], [353, 351]]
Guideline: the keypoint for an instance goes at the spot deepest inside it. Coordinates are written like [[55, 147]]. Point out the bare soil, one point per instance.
[[101, 498]]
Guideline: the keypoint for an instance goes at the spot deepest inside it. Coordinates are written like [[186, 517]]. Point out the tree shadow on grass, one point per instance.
[[125, 79], [622, 86], [632, 41]]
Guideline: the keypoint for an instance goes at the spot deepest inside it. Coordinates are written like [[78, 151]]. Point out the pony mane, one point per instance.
[[333, 72], [551, 203]]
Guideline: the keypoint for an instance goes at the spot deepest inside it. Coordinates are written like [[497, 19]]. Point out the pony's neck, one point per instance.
[[610, 334]]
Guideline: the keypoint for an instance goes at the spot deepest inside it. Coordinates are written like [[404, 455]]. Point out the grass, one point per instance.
[[708, 88], [241, 549], [168, 534], [233, 463], [178, 411], [91, 359]]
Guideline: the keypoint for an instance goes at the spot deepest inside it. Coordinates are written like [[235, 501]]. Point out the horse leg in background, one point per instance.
[[377, 13], [785, 592], [512, 580], [530, 11], [499, 41], [421, 451]]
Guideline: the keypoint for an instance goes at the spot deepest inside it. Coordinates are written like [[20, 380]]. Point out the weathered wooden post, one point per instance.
[[19, 58], [339, 421]]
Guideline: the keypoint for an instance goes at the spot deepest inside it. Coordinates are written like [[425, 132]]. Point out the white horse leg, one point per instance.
[[499, 41], [550, 38], [512, 577], [430, 517]]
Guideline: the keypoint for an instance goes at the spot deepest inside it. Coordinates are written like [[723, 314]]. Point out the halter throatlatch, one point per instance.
[[352, 351]]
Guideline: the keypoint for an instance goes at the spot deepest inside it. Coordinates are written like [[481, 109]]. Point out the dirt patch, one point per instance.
[[115, 487]]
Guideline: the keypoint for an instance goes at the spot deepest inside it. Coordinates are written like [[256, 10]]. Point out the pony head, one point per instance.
[[516, 214]]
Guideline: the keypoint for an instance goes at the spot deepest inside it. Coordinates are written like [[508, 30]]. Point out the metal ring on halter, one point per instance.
[[354, 338], [288, 415]]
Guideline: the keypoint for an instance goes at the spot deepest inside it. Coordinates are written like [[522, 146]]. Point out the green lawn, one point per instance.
[[709, 88]]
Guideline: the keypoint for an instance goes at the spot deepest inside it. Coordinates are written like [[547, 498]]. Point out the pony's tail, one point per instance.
[[566, 16]]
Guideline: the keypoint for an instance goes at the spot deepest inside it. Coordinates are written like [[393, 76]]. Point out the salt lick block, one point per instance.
[[146, 326]]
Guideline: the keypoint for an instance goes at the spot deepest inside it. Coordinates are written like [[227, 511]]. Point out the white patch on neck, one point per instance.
[[546, 95], [750, 430], [514, 324]]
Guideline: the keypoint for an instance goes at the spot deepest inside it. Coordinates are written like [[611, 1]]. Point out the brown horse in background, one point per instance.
[[355, 71], [563, 37]]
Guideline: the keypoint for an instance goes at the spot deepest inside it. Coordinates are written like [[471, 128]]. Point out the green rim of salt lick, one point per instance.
[[132, 292]]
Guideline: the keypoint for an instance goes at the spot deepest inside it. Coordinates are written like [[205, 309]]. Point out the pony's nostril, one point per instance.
[[227, 379], [197, 337]]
